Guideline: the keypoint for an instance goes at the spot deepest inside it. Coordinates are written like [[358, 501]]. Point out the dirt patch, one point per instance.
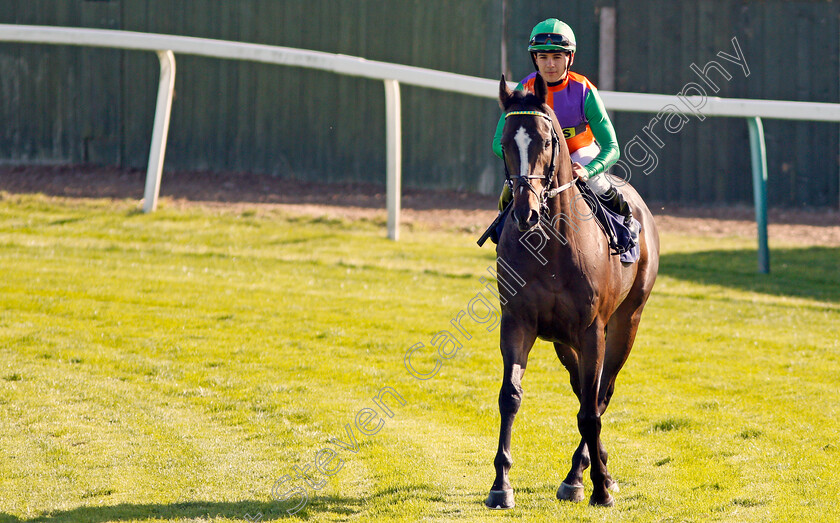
[[430, 209]]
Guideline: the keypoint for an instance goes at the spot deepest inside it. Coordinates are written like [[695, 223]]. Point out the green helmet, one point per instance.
[[552, 35]]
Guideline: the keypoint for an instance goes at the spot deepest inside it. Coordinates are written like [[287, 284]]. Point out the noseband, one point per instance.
[[546, 193]]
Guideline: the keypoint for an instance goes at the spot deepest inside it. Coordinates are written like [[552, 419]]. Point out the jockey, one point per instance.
[[586, 127]]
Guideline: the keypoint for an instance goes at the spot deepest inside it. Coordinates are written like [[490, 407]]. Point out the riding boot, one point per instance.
[[504, 199], [615, 201]]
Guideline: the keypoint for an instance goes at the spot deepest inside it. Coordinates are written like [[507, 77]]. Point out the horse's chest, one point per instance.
[[560, 316], [563, 304]]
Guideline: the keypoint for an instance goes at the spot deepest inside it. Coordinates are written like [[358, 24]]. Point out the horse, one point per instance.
[[576, 294]]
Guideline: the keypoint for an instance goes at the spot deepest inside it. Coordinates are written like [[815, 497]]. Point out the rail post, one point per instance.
[[758, 153], [393, 132], [160, 129]]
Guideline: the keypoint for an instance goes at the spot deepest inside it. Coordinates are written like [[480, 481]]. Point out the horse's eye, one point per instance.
[[547, 144]]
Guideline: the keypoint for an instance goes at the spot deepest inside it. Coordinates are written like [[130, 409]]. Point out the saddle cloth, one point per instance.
[[613, 226]]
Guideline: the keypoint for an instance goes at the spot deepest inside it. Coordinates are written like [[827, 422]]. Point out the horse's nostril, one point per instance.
[[526, 221]]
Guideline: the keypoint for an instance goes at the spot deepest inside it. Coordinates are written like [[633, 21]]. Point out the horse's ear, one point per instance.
[[504, 94], [540, 88]]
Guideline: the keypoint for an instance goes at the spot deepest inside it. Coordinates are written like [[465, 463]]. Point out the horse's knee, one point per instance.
[[589, 417], [589, 425], [510, 398], [509, 404]]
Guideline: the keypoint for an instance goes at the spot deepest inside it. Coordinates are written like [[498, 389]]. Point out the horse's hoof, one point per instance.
[[612, 485], [568, 492], [500, 499], [608, 502]]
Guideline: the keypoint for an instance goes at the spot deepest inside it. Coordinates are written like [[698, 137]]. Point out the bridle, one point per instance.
[[546, 193]]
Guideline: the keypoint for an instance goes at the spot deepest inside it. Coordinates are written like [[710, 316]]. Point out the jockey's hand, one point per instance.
[[579, 171]]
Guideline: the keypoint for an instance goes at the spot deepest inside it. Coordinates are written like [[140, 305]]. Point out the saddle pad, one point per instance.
[[613, 226], [630, 255]]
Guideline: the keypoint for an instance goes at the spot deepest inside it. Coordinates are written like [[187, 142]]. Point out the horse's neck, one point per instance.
[[569, 220], [560, 208], [562, 213]]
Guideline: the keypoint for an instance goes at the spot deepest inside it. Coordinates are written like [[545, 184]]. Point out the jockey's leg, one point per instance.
[[505, 197], [615, 201]]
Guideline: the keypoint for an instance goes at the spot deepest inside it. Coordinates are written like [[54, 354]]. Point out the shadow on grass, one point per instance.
[[808, 272], [246, 510], [236, 510]]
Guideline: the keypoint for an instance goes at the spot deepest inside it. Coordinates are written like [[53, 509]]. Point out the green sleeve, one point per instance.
[[497, 138], [602, 130]]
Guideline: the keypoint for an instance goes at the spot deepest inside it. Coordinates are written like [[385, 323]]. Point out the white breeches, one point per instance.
[[599, 183]]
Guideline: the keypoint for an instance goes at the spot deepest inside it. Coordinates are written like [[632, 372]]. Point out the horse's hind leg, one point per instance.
[[515, 345], [621, 334]]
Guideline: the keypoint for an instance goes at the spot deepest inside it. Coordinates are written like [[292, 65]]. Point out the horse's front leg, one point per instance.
[[591, 366], [571, 489], [515, 344]]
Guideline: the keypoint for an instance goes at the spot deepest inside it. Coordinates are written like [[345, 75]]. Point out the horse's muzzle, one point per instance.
[[526, 223]]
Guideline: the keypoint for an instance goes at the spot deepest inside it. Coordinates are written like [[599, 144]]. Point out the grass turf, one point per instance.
[[174, 366]]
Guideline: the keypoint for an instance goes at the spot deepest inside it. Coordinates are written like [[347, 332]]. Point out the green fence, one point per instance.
[[63, 104]]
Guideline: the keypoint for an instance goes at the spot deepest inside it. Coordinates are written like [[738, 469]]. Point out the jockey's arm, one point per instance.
[[497, 138], [604, 133]]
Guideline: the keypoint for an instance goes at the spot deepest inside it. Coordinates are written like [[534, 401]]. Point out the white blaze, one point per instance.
[[522, 140]]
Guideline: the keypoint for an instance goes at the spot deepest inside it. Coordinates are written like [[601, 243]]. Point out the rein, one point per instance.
[[549, 176]]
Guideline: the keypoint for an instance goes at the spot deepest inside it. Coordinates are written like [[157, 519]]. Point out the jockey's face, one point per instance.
[[553, 66]]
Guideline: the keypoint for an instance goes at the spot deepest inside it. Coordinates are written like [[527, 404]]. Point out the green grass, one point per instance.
[[174, 366]]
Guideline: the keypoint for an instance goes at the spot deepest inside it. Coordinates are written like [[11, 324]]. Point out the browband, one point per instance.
[[531, 113]]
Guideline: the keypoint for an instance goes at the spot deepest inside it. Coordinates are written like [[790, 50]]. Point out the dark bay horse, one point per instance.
[[576, 294]]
